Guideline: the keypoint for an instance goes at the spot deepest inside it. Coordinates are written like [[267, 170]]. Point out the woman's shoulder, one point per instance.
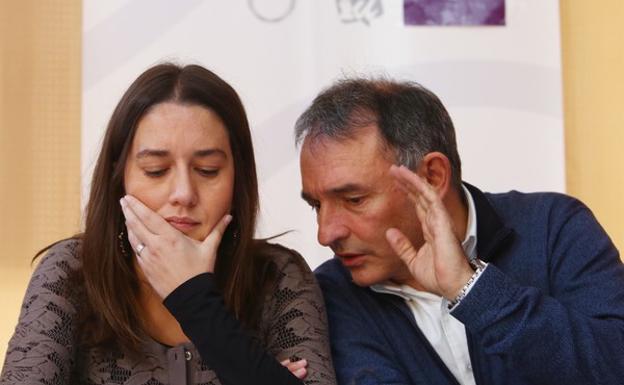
[[57, 272], [43, 344], [294, 319], [294, 283], [62, 258], [288, 262]]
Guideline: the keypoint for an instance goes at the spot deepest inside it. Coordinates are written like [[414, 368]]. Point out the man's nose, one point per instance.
[[331, 227], [183, 190]]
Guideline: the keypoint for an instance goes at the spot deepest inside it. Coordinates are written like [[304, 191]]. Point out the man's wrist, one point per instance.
[[478, 267], [460, 282]]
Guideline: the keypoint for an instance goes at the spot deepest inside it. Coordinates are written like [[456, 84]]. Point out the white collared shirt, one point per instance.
[[445, 333]]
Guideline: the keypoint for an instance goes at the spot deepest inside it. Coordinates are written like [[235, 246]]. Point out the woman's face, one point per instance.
[[180, 166]]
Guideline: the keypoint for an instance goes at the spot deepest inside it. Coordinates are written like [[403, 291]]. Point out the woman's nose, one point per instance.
[[183, 190]]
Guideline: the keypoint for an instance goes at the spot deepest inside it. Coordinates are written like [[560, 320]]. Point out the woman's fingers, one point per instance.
[[214, 237], [134, 224], [151, 220], [298, 368], [168, 257], [134, 241], [300, 373]]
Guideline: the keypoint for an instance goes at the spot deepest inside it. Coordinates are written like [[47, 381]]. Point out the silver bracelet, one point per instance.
[[476, 264]]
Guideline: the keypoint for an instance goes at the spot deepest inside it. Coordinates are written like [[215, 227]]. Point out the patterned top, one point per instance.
[[45, 348]]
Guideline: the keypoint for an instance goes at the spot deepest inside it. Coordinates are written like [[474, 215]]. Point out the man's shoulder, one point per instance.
[[516, 204], [339, 289], [543, 216], [332, 272], [529, 198]]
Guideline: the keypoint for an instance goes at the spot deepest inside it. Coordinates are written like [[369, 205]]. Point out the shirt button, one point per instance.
[[188, 355]]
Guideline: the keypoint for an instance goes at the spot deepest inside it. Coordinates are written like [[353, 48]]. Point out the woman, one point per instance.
[[177, 167]]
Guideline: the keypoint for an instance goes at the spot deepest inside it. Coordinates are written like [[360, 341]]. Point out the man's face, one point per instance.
[[347, 182]]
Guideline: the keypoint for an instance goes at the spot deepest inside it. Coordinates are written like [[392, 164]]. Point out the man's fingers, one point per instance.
[[152, 221], [430, 208], [414, 183], [410, 195], [401, 245], [214, 238], [418, 190]]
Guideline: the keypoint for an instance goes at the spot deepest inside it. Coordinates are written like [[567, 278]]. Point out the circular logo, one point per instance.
[[271, 11]]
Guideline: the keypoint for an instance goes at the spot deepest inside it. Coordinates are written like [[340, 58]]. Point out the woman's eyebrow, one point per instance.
[[209, 152], [164, 153], [151, 152]]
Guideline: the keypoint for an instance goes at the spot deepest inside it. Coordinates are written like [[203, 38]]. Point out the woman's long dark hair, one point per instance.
[[108, 274]]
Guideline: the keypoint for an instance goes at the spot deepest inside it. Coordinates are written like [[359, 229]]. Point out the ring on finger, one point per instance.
[[140, 248]]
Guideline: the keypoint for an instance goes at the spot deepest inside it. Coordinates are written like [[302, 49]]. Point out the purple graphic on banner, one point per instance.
[[454, 12]]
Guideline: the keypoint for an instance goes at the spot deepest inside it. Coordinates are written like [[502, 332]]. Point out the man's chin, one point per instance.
[[360, 277]]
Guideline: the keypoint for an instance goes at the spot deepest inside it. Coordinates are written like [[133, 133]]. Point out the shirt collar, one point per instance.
[[469, 244]]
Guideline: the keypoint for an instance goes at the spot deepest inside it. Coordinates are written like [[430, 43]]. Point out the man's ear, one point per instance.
[[435, 167]]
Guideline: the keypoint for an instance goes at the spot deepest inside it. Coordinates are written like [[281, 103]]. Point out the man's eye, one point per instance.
[[155, 173], [207, 171], [355, 200]]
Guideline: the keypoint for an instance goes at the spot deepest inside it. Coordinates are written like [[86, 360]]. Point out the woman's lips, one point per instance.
[[183, 224]]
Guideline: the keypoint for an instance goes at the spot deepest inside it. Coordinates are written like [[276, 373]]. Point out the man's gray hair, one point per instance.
[[411, 119]]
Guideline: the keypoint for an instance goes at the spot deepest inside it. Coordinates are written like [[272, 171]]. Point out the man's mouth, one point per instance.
[[351, 260]]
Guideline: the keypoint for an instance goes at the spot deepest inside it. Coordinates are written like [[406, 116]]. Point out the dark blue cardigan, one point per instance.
[[549, 309]]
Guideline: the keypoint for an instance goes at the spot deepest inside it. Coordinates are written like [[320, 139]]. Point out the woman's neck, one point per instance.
[[157, 320]]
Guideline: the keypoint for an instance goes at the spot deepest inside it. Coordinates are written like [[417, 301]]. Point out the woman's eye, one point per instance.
[[207, 171], [155, 173]]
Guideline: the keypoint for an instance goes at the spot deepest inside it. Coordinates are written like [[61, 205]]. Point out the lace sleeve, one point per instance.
[[42, 347], [297, 321]]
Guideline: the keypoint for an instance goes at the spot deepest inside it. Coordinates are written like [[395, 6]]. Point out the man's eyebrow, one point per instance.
[[347, 188]]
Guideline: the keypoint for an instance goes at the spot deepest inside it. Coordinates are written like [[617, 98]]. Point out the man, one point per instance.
[[436, 282]]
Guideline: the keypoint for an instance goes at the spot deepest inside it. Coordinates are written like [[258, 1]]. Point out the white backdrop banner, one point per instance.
[[501, 82]]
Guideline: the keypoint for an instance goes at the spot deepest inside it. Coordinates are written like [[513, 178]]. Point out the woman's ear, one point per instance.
[[435, 167]]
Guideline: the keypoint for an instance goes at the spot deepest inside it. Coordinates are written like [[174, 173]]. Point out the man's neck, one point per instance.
[[457, 208]]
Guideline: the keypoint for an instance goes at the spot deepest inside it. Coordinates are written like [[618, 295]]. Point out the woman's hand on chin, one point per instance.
[[167, 257]]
